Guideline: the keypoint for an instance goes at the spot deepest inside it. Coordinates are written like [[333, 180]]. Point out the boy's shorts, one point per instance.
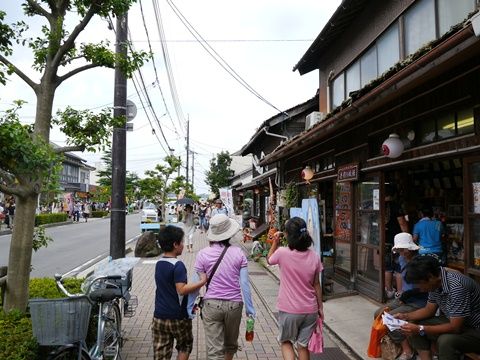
[[165, 331]]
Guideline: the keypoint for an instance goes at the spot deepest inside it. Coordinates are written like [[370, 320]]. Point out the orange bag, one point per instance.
[[378, 331]]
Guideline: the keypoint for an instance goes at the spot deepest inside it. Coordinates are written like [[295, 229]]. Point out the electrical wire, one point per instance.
[[216, 56], [154, 66]]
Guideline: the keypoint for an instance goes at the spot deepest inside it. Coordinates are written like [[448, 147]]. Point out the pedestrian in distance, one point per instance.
[[222, 301], [457, 329], [86, 211], [219, 208], [300, 295], [171, 320], [188, 226], [203, 214]]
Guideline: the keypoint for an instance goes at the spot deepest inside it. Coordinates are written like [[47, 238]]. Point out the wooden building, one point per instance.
[[408, 68]]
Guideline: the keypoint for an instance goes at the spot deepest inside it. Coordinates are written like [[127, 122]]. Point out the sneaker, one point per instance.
[[390, 293], [405, 356]]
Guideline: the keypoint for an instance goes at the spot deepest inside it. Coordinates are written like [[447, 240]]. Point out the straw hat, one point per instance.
[[222, 228], [404, 241]]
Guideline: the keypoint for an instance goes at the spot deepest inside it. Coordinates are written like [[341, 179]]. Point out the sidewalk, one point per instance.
[[137, 332]]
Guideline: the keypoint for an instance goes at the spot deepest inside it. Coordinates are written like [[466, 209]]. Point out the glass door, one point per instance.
[[368, 255], [343, 229]]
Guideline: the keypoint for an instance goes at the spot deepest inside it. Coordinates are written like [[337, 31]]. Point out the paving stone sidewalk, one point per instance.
[[137, 331]]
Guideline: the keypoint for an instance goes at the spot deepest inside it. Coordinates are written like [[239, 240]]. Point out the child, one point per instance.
[[171, 320], [300, 295]]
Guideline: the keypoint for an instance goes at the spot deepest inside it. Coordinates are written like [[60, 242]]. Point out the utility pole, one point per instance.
[[193, 171], [188, 143], [119, 147]]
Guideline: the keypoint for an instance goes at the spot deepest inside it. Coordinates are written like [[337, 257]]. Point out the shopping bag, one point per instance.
[[315, 344], [377, 332], [390, 350]]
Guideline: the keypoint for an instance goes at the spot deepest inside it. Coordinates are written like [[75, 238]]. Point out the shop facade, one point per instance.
[[432, 105]]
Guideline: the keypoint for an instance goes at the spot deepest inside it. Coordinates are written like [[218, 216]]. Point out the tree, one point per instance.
[[220, 173], [26, 157], [156, 185]]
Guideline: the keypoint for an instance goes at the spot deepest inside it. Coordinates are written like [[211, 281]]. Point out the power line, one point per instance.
[[227, 40], [222, 62], [154, 66]]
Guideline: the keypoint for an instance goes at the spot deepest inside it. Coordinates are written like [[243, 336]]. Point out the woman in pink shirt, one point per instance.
[[300, 296]]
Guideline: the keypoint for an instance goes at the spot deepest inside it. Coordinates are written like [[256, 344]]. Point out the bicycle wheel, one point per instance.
[[112, 340], [69, 353]]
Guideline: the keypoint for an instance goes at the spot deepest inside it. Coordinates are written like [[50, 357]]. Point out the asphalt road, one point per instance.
[[74, 246]]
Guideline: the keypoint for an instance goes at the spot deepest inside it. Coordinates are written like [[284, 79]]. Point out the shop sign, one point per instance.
[[347, 173]]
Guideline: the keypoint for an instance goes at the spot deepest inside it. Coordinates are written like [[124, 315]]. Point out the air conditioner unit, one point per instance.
[[313, 118]]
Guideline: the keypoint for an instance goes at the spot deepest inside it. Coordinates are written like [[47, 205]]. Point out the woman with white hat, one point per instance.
[[409, 299], [222, 302]]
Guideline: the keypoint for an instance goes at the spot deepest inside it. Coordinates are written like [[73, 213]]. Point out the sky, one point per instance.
[[261, 40]]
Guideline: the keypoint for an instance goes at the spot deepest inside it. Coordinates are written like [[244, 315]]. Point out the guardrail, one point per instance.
[[3, 283]]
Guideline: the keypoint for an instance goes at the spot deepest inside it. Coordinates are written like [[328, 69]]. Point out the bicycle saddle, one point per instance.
[[104, 295]]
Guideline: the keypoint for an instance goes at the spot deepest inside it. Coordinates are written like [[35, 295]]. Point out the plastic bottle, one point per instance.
[[249, 333]]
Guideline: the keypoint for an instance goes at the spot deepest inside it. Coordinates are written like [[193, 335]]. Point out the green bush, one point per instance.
[[16, 339], [99, 213], [43, 219], [47, 288]]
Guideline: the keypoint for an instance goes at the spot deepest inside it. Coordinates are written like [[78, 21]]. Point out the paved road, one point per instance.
[[73, 245]]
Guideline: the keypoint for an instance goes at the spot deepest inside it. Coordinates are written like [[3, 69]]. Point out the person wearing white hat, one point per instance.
[[409, 299], [222, 302]]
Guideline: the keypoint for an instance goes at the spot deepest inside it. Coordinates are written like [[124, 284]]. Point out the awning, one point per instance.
[[258, 180]]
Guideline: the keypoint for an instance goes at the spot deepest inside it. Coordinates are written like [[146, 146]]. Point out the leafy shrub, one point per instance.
[[42, 219], [16, 338], [47, 288], [99, 213]]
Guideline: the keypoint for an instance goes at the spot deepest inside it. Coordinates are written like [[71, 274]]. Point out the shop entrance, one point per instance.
[[436, 185]]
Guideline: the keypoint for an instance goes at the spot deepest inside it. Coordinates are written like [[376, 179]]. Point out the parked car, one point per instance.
[[149, 212]]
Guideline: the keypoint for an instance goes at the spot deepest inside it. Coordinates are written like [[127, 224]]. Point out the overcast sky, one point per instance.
[[260, 39]]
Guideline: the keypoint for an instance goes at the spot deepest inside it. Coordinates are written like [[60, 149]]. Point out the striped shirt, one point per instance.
[[459, 296]]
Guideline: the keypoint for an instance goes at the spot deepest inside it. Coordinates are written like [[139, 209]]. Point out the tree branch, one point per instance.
[[64, 149], [70, 42], [76, 71], [17, 190], [19, 72], [38, 9]]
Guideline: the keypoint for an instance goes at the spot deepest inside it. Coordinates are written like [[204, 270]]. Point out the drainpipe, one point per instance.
[[276, 135]]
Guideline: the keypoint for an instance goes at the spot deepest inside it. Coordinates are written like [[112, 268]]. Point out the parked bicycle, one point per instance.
[[64, 322]]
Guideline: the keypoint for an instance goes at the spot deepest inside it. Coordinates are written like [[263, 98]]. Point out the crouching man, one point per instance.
[[457, 329]]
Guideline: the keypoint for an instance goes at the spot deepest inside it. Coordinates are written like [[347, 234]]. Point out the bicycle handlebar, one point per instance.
[[59, 278]]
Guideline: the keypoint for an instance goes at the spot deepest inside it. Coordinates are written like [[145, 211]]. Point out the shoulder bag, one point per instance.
[[200, 298]]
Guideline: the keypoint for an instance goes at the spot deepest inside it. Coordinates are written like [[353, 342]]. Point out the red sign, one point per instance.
[[347, 173]]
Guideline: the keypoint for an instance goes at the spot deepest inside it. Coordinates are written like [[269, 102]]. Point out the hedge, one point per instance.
[[16, 337], [43, 219], [99, 213]]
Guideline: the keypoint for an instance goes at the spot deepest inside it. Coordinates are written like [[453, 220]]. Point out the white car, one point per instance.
[[149, 212]]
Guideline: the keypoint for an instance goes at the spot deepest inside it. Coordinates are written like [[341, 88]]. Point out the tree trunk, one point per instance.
[[20, 257]]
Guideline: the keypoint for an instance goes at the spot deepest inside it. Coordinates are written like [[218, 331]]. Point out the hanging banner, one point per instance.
[[227, 198]]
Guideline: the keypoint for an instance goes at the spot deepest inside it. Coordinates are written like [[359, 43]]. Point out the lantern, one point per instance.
[[307, 174], [393, 146]]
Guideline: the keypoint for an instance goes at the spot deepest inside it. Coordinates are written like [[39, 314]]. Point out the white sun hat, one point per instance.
[[404, 241], [222, 228]]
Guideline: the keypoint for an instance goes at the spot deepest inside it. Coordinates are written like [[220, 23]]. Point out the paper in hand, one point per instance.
[[391, 322]]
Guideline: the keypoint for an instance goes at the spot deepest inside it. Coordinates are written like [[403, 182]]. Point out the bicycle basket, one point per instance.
[[60, 321]]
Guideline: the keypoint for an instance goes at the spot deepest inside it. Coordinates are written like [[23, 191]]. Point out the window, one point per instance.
[[419, 25], [446, 126], [465, 121], [452, 12], [388, 49], [368, 66], [338, 91], [353, 78]]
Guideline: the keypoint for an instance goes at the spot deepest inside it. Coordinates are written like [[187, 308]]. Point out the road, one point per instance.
[[73, 245]]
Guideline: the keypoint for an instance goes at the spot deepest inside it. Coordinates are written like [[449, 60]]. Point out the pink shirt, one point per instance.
[[225, 284], [297, 274]]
